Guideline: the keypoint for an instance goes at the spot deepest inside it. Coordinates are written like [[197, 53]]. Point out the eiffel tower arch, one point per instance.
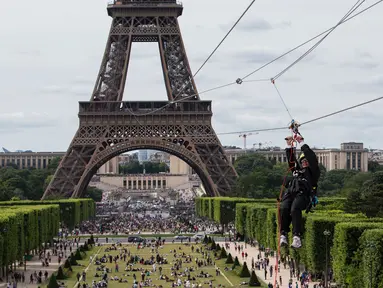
[[109, 126]]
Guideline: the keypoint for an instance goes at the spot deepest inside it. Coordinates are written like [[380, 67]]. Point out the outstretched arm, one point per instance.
[[313, 162], [290, 156], [290, 153]]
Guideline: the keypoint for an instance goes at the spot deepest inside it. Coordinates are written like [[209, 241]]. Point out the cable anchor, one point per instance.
[[239, 81], [294, 126]]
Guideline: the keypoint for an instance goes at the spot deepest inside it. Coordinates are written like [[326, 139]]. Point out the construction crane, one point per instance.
[[244, 136]]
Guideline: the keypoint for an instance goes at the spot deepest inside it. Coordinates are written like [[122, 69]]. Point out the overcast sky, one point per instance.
[[50, 53]]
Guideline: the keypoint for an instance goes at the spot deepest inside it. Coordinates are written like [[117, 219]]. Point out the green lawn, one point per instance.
[[227, 278], [127, 235]]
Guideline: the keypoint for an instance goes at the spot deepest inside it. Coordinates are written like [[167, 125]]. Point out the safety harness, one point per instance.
[[294, 127]]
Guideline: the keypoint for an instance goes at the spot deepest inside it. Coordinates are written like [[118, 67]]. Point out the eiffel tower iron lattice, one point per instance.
[[110, 126]]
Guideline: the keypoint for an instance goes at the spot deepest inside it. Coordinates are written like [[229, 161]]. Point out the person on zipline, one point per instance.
[[300, 191]]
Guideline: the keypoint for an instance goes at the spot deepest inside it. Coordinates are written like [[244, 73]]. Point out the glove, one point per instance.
[[314, 201], [298, 138]]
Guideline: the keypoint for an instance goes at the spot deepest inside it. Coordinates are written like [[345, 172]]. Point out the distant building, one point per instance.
[[351, 156], [145, 181]]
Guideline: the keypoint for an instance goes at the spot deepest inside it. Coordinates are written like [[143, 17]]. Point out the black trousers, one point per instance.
[[291, 211]]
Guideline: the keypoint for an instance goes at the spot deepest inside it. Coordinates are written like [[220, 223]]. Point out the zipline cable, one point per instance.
[[352, 10], [200, 68], [224, 38], [280, 96], [308, 41], [285, 127], [341, 111], [257, 80], [215, 50], [306, 122], [263, 66]]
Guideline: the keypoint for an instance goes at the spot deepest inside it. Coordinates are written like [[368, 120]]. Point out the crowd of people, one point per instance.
[[155, 217]]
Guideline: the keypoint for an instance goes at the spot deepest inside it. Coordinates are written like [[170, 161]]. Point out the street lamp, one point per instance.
[[326, 234], [25, 261]]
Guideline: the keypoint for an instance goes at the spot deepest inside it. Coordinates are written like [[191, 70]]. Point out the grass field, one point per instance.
[[228, 278]]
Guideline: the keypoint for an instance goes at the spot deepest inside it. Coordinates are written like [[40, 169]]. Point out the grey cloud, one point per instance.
[[19, 121], [372, 85], [361, 60], [258, 56], [258, 24], [361, 64], [31, 52]]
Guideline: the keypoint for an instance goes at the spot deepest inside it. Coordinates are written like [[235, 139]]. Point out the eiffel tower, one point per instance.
[[109, 126]]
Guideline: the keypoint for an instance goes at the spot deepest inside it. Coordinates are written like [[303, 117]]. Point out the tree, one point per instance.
[[223, 253], [53, 282], [60, 274], [134, 167], [244, 271], [72, 260], [368, 198], [94, 193], [229, 259], [374, 166], [55, 162], [236, 262], [78, 255], [67, 264], [254, 282], [247, 163]]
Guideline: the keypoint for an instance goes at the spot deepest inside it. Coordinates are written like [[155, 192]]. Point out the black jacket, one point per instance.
[[312, 173]]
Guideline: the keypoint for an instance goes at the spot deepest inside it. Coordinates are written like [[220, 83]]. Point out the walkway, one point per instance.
[[253, 253], [35, 265]]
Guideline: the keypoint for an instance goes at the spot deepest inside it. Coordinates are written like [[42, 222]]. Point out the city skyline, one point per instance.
[[44, 108], [249, 147]]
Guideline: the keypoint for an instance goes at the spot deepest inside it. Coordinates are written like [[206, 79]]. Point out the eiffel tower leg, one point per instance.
[[69, 171], [111, 79]]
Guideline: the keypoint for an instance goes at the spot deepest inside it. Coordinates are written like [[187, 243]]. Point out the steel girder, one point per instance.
[[109, 129]]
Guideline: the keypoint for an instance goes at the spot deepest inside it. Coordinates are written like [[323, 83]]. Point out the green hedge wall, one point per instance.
[[257, 219], [222, 209], [23, 229], [371, 264], [72, 211], [346, 244]]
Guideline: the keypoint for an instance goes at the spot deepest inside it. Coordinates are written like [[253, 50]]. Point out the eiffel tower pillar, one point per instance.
[[109, 126]]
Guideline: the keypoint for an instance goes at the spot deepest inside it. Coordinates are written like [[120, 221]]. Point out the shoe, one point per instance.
[[296, 242], [283, 241]]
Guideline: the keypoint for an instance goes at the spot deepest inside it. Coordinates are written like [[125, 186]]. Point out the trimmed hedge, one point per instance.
[[221, 209], [371, 255], [346, 244], [23, 229], [72, 211]]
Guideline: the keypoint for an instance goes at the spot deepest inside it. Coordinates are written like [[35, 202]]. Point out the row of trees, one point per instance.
[[71, 211], [261, 178], [25, 228], [22, 184], [136, 167], [354, 241]]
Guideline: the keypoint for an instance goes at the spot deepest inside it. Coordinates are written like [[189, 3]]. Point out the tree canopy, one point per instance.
[[135, 167], [31, 183], [262, 178]]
